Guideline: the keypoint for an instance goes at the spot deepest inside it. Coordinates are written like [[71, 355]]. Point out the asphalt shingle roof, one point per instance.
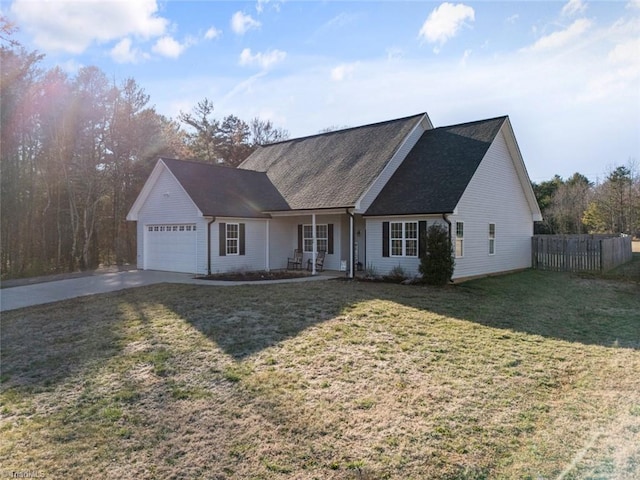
[[330, 170], [438, 169], [225, 191]]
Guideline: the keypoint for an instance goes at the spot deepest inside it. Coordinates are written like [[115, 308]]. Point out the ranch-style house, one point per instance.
[[360, 197]]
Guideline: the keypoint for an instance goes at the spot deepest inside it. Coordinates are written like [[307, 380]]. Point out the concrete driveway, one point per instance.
[[39, 293], [53, 291]]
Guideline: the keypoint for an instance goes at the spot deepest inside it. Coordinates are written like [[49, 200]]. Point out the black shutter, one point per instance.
[[330, 239], [223, 239], [422, 238], [300, 237], [385, 239], [241, 240]]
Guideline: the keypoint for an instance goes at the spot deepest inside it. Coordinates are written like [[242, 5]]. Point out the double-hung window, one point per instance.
[[233, 236], [492, 239], [322, 238], [459, 239], [404, 239]]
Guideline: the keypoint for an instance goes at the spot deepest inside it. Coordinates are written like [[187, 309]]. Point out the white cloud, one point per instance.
[[124, 53], [241, 23], [342, 72], [169, 47], [465, 57], [212, 33], [562, 37], [73, 26], [445, 21], [513, 18], [394, 53], [264, 60], [574, 7]]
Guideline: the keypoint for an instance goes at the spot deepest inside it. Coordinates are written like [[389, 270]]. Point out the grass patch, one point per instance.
[[532, 375]]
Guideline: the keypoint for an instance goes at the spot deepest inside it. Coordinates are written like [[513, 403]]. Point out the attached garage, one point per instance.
[[171, 247]]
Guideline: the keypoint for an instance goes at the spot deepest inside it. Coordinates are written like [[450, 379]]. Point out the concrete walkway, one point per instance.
[[54, 291]]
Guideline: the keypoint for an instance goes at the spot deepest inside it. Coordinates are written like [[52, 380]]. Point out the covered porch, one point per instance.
[[338, 232]]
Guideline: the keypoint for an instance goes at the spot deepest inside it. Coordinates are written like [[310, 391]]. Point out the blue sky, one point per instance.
[[567, 73]]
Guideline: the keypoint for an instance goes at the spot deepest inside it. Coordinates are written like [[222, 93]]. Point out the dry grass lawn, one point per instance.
[[533, 375]]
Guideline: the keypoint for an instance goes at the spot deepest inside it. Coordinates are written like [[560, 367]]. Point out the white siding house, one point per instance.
[[494, 185], [171, 231], [365, 196]]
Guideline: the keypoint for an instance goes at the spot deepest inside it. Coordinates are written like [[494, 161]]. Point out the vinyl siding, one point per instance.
[[384, 265], [255, 257], [494, 195], [168, 203]]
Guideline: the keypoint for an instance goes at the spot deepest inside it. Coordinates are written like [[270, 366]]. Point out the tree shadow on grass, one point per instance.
[[243, 320], [42, 345], [248, 319], [559, 306], [45, 344]]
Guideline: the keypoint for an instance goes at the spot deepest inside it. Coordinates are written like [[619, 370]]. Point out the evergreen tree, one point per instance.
[[437, 262]]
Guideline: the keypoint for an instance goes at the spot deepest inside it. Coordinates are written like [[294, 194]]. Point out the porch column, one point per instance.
[[267, 265], [351, 245], [314, 254]]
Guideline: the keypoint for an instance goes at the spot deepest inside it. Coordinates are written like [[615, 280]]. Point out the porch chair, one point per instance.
[[319, 262], [295, 263]]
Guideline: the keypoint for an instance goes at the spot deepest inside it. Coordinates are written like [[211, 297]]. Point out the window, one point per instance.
[[233, 235], [459, 239], [322, 238], [404, 239], [492, 238]]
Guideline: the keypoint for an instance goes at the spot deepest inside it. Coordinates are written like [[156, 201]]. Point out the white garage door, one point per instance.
[[170, 248]]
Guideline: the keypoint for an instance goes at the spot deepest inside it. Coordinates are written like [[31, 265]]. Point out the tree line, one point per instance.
[[577, 205], [76, 150]]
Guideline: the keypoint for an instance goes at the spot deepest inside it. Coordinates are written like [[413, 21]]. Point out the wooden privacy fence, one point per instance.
[[579, 253]]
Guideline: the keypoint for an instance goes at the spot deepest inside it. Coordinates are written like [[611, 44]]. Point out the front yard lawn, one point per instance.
[[532, 375]]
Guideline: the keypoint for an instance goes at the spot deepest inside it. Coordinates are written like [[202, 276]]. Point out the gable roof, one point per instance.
[[437, 170], [331, 170], [225, 191]]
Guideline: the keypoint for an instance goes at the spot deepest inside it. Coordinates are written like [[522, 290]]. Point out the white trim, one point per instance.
[[267, 265], [298, 213], [226, 239], [351, 246], [403, 239], [148, 187], [521, 169]]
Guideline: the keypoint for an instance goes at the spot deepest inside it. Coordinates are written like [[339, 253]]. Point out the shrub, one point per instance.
[[371, 271], [397, 274], [437, 263]]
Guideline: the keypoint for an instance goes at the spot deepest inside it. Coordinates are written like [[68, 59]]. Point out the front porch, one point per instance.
[[338, 233]]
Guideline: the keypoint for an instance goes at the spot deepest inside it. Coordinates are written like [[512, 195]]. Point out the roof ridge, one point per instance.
[[500, 117], [342, 130], [211, 165], [194, 161]]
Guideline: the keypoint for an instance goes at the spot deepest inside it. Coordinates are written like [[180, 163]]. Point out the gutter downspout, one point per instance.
[[351, 243], [213, 219], [444, 217]]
